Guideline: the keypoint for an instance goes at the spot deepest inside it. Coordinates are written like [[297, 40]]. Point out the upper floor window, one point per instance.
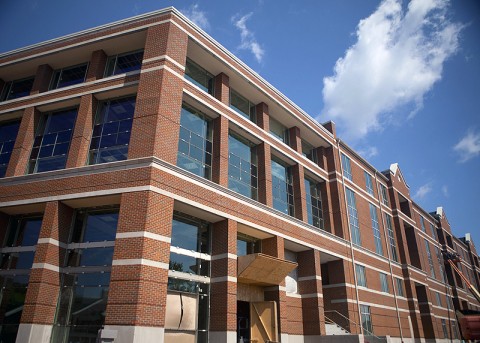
[[8, 134], [347, 169], [399, 284], [309, 151], [391, 238], [383, 191], [422, 223], [242, 105], [434, 231], [195, 142], [282, 187], [439, 299], [123, 63], [52, 141], [111, 132], [199, 76], [361, 276], [278, 130], [242, 166], [368, 183], [314, 203], [353, 217], [17, 89], [69, 76], [430, 260], [384, 283], [376, 231]]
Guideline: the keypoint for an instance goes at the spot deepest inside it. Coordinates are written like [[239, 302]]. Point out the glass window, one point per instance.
[[23, 232], [361, 277], [124, 63], [434, 232], [13, 291], [369, 183], [8, 134], [430, 260], [376, 231], [383, 190], [111, 132], [366, 319], [282, 187], [195, 142], [52, 141], [439, 299], [95, 226], [247, 245], [353, 217], [199, 76], [69, 76], [189, 264], [314, 203], [444, 328], [391, 238], [422, 223], [309, 151], [399, 284], [190, 234], [242, 105], [440, 265], [278, 130], [242, 166], [384, 283], [17, 89], [347, 168]]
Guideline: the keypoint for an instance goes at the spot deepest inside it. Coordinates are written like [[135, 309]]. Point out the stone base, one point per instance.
[[222, 337], [34, 333], [132, 334]]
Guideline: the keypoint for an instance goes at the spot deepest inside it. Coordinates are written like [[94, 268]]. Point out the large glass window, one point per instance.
[[309, 151], [429, 257], [383, 191], [384, 283], [242, 105], [422, 223], [16, 261], [353, 217], [399, 284], [17, 89], [242, 166], [69, 76], [361, 277], [440, 264], [444, 328], [111, 132], [368, 183], [85, 281], [124, 63], [8, 134], [314, 203], [282, 187], [248, 245], [366, 319], [347, 168], [278, 130], [434, 232], [52, 141], [376, 231], [195, 142], [391, 238], [199, 76]]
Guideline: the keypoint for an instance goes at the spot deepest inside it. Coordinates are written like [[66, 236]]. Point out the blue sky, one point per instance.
[[401, 79]]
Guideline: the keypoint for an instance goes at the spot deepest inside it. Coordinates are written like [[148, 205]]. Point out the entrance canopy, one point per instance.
[[263, 270]]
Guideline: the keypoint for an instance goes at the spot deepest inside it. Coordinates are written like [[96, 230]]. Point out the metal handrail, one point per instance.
[[330, 321], [348, 319]]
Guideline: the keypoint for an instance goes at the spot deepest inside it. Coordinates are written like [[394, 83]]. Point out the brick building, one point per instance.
[[155, 189]]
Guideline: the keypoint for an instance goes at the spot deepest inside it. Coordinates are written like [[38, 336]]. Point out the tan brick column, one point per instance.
[[275, 247], [138, 284], [40, 306], [310, 286], [223, 290], [23, 144], [96, 67], [82, 133], [222, 88], [42, 79], [220, 151], [156, 122]]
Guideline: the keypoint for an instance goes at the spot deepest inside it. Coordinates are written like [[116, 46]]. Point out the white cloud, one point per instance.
[[197, 16], [423, 191], [368, 152], [445, 192], [248, 40], [398, 57], [469, 146]]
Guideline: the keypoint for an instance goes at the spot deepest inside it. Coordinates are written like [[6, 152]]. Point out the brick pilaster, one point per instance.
[[264, 174], [42, 79], [310, 285], [299, 193], [23, 144], [223, 291], [222, 88], [295, 139], [138, 284], [220, 151], [79, 147], [263, 118], [156, 122], [44, 283], [96, 67]]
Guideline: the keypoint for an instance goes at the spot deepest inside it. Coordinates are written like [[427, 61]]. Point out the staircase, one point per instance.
[[332, 328]]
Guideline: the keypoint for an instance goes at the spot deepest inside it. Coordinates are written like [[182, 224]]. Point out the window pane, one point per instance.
[[71, 76], [19, 88], [189, 235], [126, 63]]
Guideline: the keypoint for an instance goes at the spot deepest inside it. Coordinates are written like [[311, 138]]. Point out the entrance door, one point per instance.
[[263, 317], [243, 321]]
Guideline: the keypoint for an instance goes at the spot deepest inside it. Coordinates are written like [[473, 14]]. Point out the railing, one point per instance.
[[348, 320]]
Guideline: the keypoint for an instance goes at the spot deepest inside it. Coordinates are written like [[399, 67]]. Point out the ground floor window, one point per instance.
[[366, 320]]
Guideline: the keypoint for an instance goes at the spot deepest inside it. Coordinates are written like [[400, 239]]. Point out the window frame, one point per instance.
[[384, 283], [252, 107], [7, 146], [7, 89], [253, 163], [57, 75], [112, 63], [354, 223], [361, 273], [368, 183], [377, 236], [347, 167], [288, 189]]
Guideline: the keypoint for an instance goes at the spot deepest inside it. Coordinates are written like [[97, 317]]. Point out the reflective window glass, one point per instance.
[[17, 89], [69, 76], [242, 105], [314, 203], [190, 235], [8, 134], [242, 166], [199, 76], [282, 187], [124, 63]]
